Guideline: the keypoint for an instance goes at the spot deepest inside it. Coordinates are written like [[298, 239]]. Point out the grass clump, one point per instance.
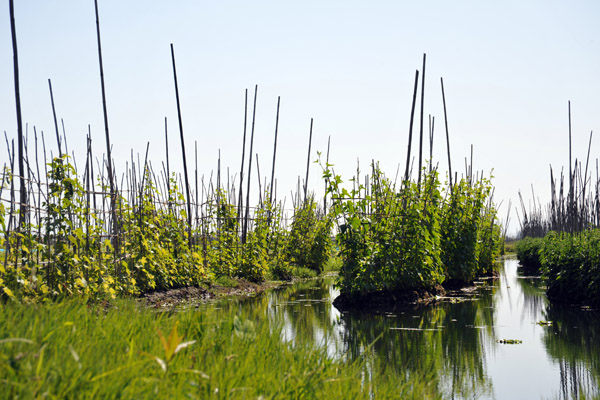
[[74, 350]]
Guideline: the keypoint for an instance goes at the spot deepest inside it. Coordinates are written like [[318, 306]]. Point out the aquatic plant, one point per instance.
[[509, 341]]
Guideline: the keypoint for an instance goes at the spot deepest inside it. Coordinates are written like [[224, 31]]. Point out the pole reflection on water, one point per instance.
[[455, 341]]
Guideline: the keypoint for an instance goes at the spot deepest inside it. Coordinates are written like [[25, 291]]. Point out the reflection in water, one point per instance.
[[428, 339], [455, 343], [573, 342]]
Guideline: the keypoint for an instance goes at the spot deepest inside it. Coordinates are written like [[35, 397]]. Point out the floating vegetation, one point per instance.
[[509, 341], [416, 329]]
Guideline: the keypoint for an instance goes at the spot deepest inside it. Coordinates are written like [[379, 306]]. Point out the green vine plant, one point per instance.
[[413, 237], [72, 250]]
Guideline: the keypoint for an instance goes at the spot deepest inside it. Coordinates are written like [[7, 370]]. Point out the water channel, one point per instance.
[[456, 341]]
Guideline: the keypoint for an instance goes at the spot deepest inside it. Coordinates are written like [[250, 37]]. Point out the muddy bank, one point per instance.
[[452, 291], [389, 299], [195, 295]]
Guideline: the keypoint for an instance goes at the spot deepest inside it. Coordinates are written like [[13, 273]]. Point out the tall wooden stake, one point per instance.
[[240, 195], [185, 171], [431, 127], [247, 215], [113, 199], [571, 194], [167, 155], [308, 160], [412, 114], [421, 123], [274, 153], [22, 189], [447, 136], [55, 121]]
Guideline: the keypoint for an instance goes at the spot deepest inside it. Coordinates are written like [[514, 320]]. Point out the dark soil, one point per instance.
[[456, 284], [194, 295], [388, 300], [584, 304], [452, 291]]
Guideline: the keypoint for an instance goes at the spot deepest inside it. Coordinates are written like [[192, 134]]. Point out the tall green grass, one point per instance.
[[122, 350]]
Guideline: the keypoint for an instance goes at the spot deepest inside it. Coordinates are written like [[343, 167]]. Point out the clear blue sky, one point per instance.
[[509, 69]]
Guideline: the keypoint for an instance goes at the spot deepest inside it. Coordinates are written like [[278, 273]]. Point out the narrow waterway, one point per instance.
[[456, 342]]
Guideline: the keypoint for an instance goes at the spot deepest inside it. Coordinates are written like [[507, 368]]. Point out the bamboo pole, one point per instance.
[[240, 195], [39, 187], [587, 162], [92, 165], [421, 122], [88, 178], [245, 229], [274, 152], [29, 190], [22, 189], [144, 172], [412, 114], [54, 116], [431, 127], [218, 196], [308, 159], [260, 190], [167, 157], [62, 123], [185, 171], [471, 167], [111, 171], [196, 181], [570, 164], [447, 135]]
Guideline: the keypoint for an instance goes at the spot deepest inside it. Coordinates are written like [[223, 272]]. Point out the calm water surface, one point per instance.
[[457, 339]]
